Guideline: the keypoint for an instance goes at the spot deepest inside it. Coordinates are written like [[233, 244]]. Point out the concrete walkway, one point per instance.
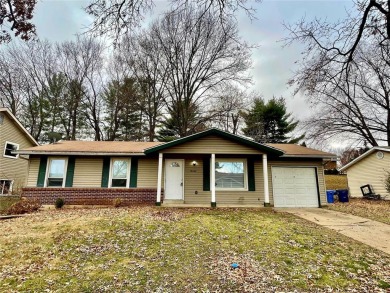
[[372, 233]]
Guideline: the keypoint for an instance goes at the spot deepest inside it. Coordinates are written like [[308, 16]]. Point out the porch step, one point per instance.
[[172, 201]]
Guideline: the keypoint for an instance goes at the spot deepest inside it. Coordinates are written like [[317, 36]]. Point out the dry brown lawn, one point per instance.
[[378, 210], [336, 181], [148, 249]]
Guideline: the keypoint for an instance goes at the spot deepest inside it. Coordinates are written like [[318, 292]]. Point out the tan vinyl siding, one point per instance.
[[11, 168], [147, 173], [369, 170], [212, 144], [33, 172], [88, 172], [194, 182], [320, 175]]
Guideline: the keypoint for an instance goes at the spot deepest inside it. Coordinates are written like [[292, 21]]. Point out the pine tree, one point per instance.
[[269, 122]]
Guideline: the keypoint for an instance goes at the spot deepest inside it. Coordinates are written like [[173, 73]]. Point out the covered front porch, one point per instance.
[[211, 179]]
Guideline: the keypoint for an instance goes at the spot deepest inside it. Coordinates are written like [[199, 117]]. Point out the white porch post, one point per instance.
[[265, 174], [159, 177], [213, 202]]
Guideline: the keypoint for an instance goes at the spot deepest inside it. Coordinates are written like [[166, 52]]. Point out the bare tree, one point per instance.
[[356, 106], [197, 54], [94, 62], [10, 93], [31, 65], [228, 108], [81, 62], [337, 43], [142, 55], [116, 18]]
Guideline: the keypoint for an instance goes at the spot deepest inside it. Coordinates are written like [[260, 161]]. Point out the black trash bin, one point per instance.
[[343, 195]]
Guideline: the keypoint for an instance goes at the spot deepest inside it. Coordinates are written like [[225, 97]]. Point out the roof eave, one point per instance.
[[361, 157], [56, 153], [214, 131], [310, 156], [21, 127]]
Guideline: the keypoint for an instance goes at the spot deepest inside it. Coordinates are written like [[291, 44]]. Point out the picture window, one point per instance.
[[230, 174]]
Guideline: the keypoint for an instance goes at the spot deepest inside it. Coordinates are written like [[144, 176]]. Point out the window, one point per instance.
[[120, 170], [5, 186], [56, 172], [230, 174], [9, 148]]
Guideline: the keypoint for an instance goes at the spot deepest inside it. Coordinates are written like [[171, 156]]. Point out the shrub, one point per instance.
[[387, 181], [24, 206], [117, 202], [59, 203]]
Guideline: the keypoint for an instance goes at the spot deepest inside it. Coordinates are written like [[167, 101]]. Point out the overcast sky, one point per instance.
[[273, 65]]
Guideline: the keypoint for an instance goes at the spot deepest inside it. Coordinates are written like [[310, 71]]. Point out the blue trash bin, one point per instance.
[[330, 195], [343, 195]]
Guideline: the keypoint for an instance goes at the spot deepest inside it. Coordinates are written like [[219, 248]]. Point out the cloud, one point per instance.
[[60, 20]]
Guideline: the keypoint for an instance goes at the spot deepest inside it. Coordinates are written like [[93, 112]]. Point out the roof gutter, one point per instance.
[[310, 156], [77, 153]]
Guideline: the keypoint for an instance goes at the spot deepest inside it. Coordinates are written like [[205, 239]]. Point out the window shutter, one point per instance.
[[106, 171], [206, 174], [251, 175], [70, 172], [42, 172], [134, 172]]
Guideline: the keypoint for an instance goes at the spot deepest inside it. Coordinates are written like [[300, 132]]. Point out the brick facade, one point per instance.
[[92, 196]]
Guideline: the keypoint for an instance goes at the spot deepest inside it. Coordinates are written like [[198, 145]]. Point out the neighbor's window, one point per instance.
[[230, 174], [56, 172], [120, 169], [9, 148], [5, 186]]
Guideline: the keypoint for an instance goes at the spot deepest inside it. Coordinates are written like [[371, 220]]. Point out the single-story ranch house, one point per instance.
[[208, 167]]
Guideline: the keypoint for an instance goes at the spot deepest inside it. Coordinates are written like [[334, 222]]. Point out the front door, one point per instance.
[[174, 179]]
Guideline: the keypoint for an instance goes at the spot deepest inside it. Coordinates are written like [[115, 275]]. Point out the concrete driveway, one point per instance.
[[372, 233]]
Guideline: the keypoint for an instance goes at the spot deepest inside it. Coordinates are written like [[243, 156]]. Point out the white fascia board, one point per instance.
[[363, 156], [77, 153], [309, 157]]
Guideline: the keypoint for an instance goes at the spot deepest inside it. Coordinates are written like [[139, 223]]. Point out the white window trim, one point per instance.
[[128, 171], [10, 187], [245, 188], [5, 145], [48, 170]]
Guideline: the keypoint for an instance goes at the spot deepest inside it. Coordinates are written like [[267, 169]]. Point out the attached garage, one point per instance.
[[295, 187], [212, 166]]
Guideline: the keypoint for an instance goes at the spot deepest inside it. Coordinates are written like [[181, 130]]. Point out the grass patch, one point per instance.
[[150, 249], [336, 182], [6, 202], [377, 210]]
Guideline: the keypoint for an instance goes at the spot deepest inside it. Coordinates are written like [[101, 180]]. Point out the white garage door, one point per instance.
[[294, 187]]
